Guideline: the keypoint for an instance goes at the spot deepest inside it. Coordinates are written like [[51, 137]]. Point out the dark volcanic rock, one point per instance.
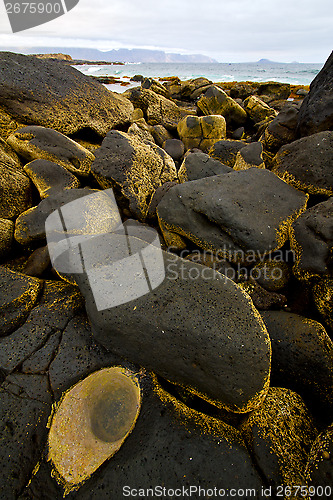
[[175, 148], [93, 213], [280, 434], [172, 446], [36, 143], [236, 214], [311, 238], [302, 359], [250, 156], [24, 409], [57, 96], [199, 165], [306, 164], [137, 169], [281, 130], [197, 328], [18, 295], [226, 151], [48, 176], [316, 113]]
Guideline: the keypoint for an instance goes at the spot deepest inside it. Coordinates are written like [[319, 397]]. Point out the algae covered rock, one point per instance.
[[257, 109], [196, 328], [57, 96], [48, 176], [237, 214], [216, 102], [91, 422], [311, 238], [6, 236], [34, 143], [319, 469], [201, 132], [275, 90], [197, 165], [250, 156], [323, 298], [15, 188], [281, 130], [135, 168], [306, 163], [280, 434], [302, 359], [157, 109], [316, 113]]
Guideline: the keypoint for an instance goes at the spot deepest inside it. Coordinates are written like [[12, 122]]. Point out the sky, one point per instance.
[[226, 30]]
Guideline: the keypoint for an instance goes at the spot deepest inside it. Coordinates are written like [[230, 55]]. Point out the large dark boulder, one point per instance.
[[316, 113], [240, 214], [311, 238], [55, 95], [196, 328], [306, 164]]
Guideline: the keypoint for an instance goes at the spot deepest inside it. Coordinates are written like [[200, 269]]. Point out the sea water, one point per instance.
[[294, 73]]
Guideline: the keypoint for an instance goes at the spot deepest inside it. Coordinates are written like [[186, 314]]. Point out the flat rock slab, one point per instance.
[[302, 359], [237, 214], [55, 95], [35, 143], [199, 165], [311, 238], [306, 164], [197, 328], [134, 167]]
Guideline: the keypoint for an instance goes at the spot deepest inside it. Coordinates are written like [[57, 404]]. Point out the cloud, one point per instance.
[[227, 30]]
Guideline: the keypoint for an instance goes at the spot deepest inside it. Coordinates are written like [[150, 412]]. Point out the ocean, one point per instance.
[[294, 73]]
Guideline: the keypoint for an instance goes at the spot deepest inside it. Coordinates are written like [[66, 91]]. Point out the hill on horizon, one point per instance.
[[117, 55]]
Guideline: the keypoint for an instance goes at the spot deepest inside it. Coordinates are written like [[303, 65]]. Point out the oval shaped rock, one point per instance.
[[197, 328], [47, 175], [34, 143], [91, 423]]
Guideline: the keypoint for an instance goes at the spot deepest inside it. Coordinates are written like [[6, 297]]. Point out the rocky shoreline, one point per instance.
[[219, 374]]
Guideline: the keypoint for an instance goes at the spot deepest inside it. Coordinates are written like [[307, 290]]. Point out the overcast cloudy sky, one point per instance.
[[228, 30]]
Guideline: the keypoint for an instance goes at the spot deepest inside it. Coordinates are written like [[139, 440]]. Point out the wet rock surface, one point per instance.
[[217, 410]]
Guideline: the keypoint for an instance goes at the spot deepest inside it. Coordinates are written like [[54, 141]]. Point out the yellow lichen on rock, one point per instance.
[[91, 422]]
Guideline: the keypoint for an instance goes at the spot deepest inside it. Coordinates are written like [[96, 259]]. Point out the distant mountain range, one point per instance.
[[120, 55]]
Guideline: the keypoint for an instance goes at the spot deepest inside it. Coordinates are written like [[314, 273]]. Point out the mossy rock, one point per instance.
[[250, 156], [201, 132], [135, 168], [40, 143], [281, 130], [55, 95], [323, 298], [226, 151], [280, 434], [319, 469], [257, 109], [6, 236], [15, 188], [216, 102]]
